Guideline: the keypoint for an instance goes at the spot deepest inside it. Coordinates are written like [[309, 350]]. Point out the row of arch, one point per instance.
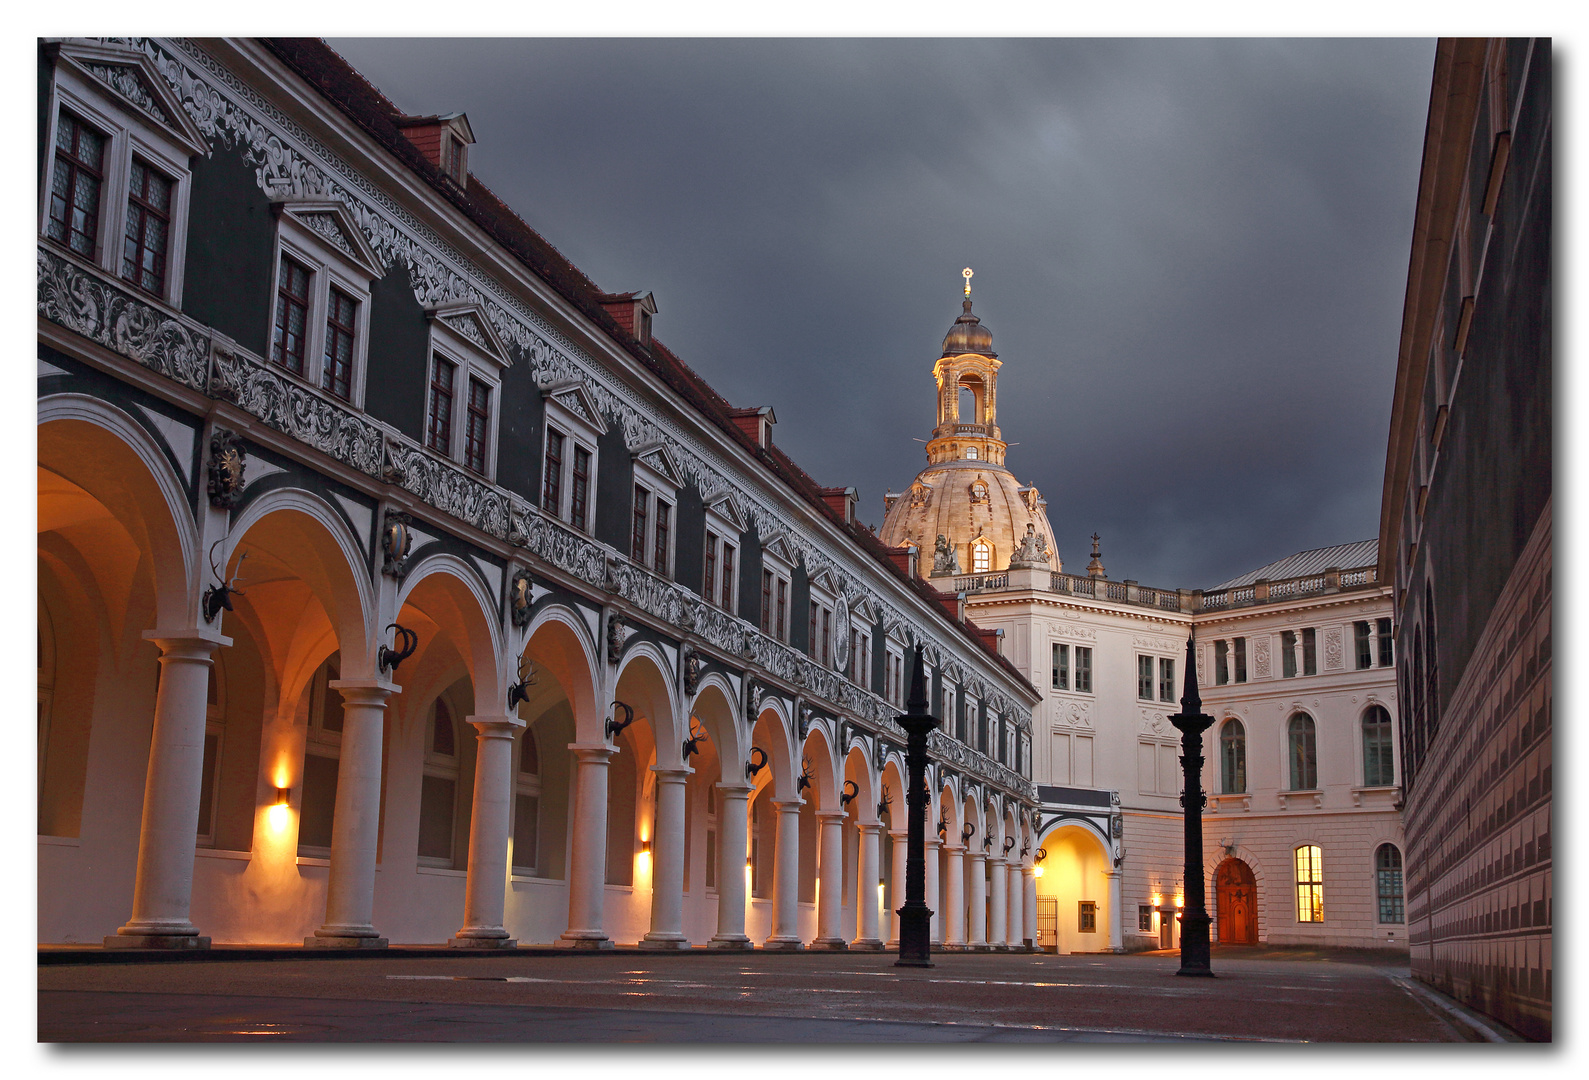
[[252, 808]]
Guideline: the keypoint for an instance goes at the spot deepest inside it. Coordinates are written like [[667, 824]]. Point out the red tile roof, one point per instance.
[[358, 99]]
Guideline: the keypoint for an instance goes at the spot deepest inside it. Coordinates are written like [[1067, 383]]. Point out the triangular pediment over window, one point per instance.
[[330, 220], [659, 459], [778, 547], [577, 400], [469, 322], [727, 508], [132, 79]]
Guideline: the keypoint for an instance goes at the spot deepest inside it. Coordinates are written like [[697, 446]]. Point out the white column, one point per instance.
[[954, 898], [786, 880], [667, 863], [485, 894], [867, 903], [933, 894], [830, 880], [587, 869], [1373, 644], [731, 833], [896, 894], [999, 906], [1116, 916], [1016, 901], [976, 871], [162, 893], [1029, 905], [355, 824]]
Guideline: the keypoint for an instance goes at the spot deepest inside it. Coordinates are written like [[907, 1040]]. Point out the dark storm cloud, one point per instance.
[[1192, 254]]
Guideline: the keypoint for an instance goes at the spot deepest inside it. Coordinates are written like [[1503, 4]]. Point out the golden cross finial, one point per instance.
[[966, 273]]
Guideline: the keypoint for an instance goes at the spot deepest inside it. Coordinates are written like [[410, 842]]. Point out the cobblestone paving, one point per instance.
[[755, 997]]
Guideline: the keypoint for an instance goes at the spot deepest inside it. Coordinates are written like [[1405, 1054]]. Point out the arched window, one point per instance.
[[1378, 768], [1387, 883], [1310, 884], [981, 557], [1232, 758], [1304, 753]]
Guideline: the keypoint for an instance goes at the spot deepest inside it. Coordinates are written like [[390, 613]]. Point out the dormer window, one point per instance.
[[632, 312], [642, 330], [444, 140], [454, 160]]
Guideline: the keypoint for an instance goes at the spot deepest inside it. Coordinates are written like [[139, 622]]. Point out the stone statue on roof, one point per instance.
[[944, 559], [1032, 552]]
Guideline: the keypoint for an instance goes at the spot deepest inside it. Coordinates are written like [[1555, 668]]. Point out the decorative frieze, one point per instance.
[[86, 304], [293, 409]]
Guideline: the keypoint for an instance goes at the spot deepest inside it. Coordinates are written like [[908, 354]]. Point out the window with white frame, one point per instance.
[[1060, 671], [1083, 669], [652, 516], [1166, 679], [464, 385], [820, 630], [320, 298], [1310, 884], [860, 655], [894, 674], [568, 465], [322, 753], [1145, 678], [527, 807], [981, 557], [438, 792], [720, 561], [777, 568], [116, 174]]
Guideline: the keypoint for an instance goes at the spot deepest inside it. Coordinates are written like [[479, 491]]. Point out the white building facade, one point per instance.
[[1294, 659]]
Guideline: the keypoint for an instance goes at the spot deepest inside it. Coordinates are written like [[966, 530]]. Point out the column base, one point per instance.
[[830, 945], [783, 944], [665, 942], [954, 946], [583, 939], [339, 941], [461, 941], [867, 945], [157, 941], [981, 946], [738, 942]]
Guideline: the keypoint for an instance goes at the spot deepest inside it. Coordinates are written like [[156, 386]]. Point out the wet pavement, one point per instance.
[[711, 997]]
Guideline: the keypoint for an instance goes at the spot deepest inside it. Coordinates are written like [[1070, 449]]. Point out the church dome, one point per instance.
[[972, 504], [968, 335]]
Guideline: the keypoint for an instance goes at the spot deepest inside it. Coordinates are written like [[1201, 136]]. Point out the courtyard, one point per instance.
[[432, 995]]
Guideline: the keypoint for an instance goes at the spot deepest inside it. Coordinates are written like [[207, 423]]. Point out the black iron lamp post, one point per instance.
[[1191, 721], [915, 918]]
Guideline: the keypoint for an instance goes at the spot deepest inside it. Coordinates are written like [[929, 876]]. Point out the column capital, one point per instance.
[[1111, 873], [599, 752], [830, 815], [365, 691], [871, 828], [734, 789], [899, 835], [953, 849], [496, 727], [671, 775], [187, 643], [977, 856], [791, 806]]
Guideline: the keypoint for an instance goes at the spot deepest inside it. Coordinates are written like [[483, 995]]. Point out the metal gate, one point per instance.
[[1048, 923]]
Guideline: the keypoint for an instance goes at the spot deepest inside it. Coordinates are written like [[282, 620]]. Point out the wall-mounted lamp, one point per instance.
[[283, 797], [645, 847]]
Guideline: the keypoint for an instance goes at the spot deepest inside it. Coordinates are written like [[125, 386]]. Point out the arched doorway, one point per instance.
[[1236, 903], [1074, 886]]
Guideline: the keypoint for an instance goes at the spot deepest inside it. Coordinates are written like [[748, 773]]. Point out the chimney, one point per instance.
[[444, 140], [632, 311], [841, 500], [756, 423]]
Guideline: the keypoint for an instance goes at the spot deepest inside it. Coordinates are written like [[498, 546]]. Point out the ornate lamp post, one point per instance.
[[1191, 721], [915, 918]]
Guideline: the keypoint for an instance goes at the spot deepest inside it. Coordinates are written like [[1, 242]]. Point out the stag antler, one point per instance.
[[805, 774], [615, 727], [885, 802], [218, 598], [758, 762], [692, 745], [520, 690], [849, 794]]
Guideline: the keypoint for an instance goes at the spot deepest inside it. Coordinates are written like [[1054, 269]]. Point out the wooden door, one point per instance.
[[1236, 903]]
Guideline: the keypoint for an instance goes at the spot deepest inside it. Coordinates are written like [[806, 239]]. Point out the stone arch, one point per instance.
[[306, 584], [772, 733], [817, 749], [1074, 874], [644, 681], [714, 707], [559, 643], [445, 591], [89, 448], [858, 770]]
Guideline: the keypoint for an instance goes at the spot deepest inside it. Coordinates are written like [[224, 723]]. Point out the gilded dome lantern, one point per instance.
[[966, 495]]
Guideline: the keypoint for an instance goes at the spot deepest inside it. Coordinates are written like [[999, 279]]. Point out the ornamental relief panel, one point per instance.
[[1156, 644], [1073, 713], [439, 275], [1334, 653], [1157, 723], [1260, 656], [1084, 633]]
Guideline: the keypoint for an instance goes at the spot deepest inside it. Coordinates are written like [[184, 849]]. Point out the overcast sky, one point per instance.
[[1192, 254]]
